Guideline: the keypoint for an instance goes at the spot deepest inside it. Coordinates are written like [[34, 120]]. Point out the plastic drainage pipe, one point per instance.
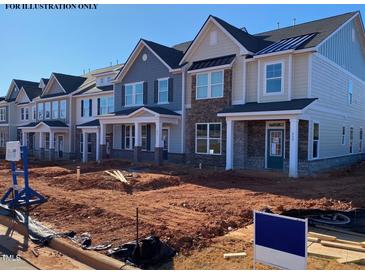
[[88, 257]]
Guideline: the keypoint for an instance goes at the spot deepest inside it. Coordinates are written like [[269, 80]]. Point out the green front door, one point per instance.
[[275, 148]]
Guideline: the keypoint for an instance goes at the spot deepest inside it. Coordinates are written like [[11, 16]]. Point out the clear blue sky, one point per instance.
[[35, 43]]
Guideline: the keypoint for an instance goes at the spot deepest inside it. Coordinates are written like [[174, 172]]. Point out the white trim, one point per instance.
[[16, 98], [337, 30], [183, 110], [133, 85], [319, 139], [238, 102], [46, 88], [208, 137], [336, 156], [244, 80], [258, 80], [168, 138], [290, 76], [222, 67], [86, 94], [290, 51], [282, 82], [158, 90], [243, 50]]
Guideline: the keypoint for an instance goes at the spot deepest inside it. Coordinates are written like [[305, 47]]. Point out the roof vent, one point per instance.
[[278, 23], [294, 21]]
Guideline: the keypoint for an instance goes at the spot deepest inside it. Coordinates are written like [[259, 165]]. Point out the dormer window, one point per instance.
[[274, 78]]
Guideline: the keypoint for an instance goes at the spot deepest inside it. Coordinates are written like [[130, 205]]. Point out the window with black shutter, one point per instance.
[[82, 108], [90, 107]]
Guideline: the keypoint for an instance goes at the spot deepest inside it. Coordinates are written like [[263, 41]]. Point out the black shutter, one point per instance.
[[145, 94], [155, 91], [148, 137], [123, 136], [171, 89], [82, 108], [98, 106], [90, 107], [123, 95]]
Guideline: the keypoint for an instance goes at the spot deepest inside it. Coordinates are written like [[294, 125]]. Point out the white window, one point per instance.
[[315, 141], [2, 114], [360, 139], [163, 91], [209, 85], [103, 106], [129, 136], [2, 139], [34, 113], [110, 104], [208, 138], [63, 109], [350, 90], [40, 111], [343, 136], [351, 142], [134, 94], [55, 110], [85, 108], [47, 110], [274, 78]]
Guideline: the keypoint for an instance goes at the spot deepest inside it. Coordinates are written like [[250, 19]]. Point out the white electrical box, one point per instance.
[[13, 151]]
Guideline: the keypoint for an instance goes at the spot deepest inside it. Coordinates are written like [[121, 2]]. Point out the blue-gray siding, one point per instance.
[[149, 71]]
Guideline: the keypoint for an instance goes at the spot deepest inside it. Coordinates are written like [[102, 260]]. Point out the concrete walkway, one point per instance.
[[9, 261]]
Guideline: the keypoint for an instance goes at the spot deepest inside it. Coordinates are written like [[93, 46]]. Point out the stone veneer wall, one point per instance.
[[205, 111]]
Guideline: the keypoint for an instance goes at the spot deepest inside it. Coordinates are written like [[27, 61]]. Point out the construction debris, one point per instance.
[[117, 175], [234, 255]]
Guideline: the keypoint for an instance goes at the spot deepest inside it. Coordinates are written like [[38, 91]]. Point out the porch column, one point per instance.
[[97, 145], [51, 145], [159, 143], [24, 138], [229, 144], [137, 142], [84, 146], [102, 137], [293, 148]]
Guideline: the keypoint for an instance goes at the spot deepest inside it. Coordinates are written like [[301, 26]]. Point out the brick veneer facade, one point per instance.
[[205, 111]]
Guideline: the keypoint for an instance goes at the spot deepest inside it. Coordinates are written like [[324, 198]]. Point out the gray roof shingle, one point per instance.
[[32, 92], [93, 123], [70, 83], [295, 104], [50, 123]]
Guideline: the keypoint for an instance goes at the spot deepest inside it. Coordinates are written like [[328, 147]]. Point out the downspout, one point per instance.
[[183, 112]]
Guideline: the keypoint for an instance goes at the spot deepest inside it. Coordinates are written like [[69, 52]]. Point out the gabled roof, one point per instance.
[[94, 89], [182, 46], [50, 123], [322, 27], [171, 56], [158, 110], [32, 92], [93, 123], [45, 81], [69, 83], [21, 83], [295, 104]]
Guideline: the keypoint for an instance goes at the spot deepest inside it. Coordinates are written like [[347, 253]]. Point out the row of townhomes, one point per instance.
[[291, 99]]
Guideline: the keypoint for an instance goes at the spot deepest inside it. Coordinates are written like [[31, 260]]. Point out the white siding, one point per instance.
[[300, 76], [332, 111]]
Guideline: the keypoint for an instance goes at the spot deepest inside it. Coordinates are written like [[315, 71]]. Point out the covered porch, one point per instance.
[[267, 135], [144, 134], [47, 140]]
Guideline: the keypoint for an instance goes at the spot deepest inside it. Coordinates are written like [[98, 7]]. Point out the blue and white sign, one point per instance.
[[280, 241]]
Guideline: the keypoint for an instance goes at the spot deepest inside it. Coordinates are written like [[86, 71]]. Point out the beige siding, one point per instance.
[[332, 111], [300, 76], [55, 88], [251, 83], [203, 49]]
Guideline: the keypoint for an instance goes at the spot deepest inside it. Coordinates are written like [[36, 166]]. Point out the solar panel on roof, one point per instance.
[[286, 44]]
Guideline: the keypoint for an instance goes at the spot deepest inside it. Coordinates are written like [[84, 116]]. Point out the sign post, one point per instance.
[[280, 241]]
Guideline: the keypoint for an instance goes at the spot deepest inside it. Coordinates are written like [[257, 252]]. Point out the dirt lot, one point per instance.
[[189, 208]]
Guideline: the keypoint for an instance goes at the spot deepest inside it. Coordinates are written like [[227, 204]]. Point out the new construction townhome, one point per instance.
[[290, 99]]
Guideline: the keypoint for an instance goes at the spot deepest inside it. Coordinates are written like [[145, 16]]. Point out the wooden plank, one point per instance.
[[234, 255], [112, 174], [313, 239], [343, 246], [341, 230], [322, 236]]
